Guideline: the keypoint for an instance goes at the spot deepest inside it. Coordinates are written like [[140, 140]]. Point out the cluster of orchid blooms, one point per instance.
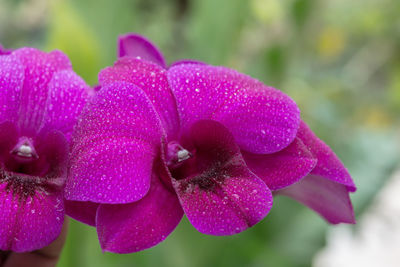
[[151, 143]]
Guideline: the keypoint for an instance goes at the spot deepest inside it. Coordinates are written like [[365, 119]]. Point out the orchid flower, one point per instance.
[[209, 142], [40, 100]]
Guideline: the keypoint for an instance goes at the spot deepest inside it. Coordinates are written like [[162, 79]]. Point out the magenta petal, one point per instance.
[[39, 69], [262, 119], [82, 211], [227, 209], [222, 196], [329, 165], [186, 61], [53, 150], [128, 228], [282, 168], [68, 94], [153, 81], [11, 83], [111, 171], [326, 188], [8, 139], [330, 199], [114, 146], [29, 223], [135, 45], [4, 51]]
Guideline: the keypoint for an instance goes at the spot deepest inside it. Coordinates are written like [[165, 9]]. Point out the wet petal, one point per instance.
[[282, 168], [152, 79], [4, 51], [36, 95], [187, 61], [330, 199], [52, 148], [115, 142], [329, 165], [82, 211], [140, 225], [29, 222], [220, 195], [135, 45], [11, 83], [39, 69], [270, 117], [68, 94], [8, 139]]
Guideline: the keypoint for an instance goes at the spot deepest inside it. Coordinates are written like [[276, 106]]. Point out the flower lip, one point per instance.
[[27, 169], [20, 184], [217, 191], [38, 160]]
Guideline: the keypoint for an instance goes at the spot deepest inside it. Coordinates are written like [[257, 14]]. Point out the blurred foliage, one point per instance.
[[338, 59], [70, 34]]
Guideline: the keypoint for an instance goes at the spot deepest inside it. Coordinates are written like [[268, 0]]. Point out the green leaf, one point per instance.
[[70, 34]]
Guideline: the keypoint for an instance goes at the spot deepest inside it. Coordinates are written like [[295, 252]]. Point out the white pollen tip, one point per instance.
[[183, 155], [25, 149]]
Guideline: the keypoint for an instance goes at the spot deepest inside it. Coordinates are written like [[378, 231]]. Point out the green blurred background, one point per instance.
[[338, 59]]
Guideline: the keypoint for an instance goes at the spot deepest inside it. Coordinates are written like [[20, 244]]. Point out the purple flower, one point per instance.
[[40, 100], [196, 139]]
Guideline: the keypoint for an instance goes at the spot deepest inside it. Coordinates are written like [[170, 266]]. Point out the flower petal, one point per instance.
[[135, 45], [31, 222], [330, 199], [152, 79], [39, 69], [187, 61], [11, 83], [222, 196], [128, 228], [68, 94], [53, 161], [115, 142], [329, 165], [270, 117], [82, 211], [282, 168], [4, 51], [51, 101], [8, 139]]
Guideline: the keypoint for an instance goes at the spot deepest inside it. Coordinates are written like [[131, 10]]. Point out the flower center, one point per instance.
[[32, 163], [176, 155], [24, 151], [23, 158]]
